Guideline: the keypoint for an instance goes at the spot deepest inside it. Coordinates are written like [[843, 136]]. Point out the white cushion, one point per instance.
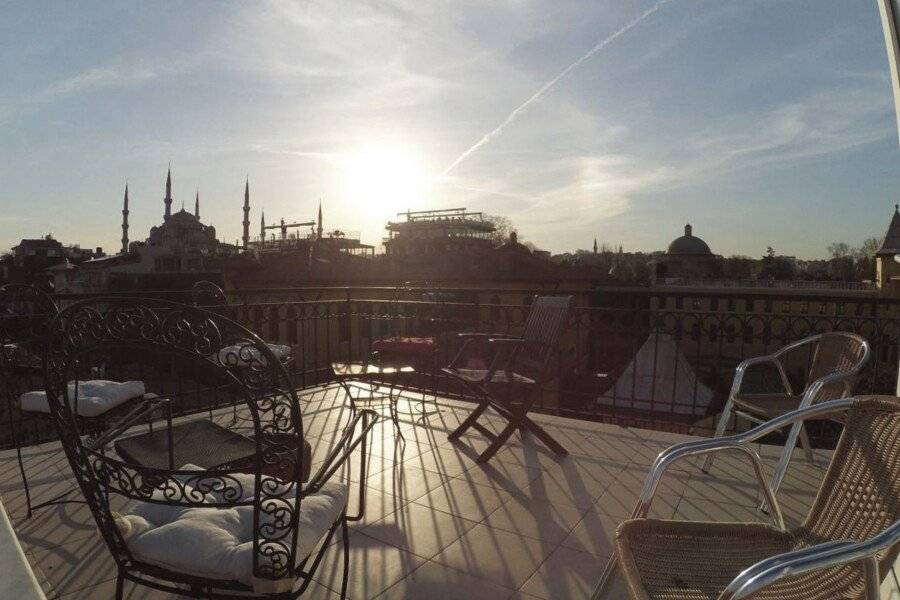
[[241, 355], [95, 396], [217, 543]]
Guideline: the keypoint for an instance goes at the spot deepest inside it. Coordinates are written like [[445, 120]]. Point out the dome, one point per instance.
[[688, 244]]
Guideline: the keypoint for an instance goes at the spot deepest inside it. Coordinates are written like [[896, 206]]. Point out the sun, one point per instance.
[[384, 180]]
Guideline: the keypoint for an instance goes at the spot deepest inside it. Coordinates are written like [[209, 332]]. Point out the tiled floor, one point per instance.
[[527, 525]]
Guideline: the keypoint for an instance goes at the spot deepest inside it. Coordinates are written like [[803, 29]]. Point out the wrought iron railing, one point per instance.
[[646, 357]]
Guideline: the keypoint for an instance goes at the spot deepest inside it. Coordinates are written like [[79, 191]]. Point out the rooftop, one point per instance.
[[525, 526]]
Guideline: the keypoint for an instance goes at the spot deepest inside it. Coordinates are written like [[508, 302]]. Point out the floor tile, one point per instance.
[[504, 558], [419, 529], [436, 581], [566, 574]]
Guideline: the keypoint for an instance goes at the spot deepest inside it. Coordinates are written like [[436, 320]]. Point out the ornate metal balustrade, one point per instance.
[[694, 336]]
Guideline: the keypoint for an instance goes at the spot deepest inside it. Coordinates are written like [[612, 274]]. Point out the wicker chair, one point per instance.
[[836, 363], [223, 529], [518, 366], [849, 540]]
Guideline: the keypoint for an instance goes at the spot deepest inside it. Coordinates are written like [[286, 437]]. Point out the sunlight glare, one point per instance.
[[383, 181]]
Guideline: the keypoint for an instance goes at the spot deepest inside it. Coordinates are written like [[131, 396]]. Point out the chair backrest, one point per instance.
[[837, 352], [544, 325], [182, 353], [860, 494], [207, 293]]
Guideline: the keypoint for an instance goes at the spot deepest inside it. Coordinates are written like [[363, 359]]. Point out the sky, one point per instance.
[[760, 122]]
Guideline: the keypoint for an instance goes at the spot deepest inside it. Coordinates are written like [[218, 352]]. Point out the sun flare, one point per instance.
[[384, 180]]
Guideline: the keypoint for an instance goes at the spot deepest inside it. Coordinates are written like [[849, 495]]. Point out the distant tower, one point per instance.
[[319, 227], [246, 238], [197, 205], [168, 198], [595, 245], [125, 222], [262, 227]]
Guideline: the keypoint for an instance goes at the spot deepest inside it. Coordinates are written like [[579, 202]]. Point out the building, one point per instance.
[[177, 252], [31, 258], [687, 257], [887, 259], [429, 235]]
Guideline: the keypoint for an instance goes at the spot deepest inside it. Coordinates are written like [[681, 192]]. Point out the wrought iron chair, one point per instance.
[[247, 529], [850, 538], [25, 313], [837, 360], [519, 366]]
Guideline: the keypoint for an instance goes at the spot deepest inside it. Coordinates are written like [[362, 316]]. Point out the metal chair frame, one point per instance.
[[789, 564], [24, 321], [194, 336], [811, 394], [545, 322]]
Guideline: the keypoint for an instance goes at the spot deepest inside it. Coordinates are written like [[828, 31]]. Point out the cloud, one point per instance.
[[94, 79]]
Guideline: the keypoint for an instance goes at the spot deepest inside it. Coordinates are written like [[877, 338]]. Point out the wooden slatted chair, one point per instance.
[[848, 542], [518, 366]]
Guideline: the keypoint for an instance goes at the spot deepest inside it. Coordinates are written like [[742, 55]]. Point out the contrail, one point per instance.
[[546, 87]]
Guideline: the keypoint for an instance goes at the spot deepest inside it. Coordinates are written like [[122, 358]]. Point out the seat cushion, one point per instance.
[[678, 560], [95, 397], [405, 345], [217, 543], [768, 406]]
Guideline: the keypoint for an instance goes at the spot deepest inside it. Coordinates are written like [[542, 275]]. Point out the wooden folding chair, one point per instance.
[[519, 366]]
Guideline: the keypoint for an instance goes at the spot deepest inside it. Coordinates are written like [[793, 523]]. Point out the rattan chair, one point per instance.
[[248, 530], [517, 369], [848, 541], [838, 358]]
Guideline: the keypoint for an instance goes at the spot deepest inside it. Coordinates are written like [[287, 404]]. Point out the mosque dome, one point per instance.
[[688, 244]]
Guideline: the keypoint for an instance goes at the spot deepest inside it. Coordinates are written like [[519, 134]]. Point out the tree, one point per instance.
[[839, 250], [503, 227]]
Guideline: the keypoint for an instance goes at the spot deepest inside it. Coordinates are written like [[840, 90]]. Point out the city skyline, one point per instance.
[[620, 121]]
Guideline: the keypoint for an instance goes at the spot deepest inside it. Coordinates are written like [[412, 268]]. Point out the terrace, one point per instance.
[[527, 524]]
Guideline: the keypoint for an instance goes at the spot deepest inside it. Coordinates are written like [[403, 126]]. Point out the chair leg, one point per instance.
[[345, 533], [473, 416], [807, 446], [720, 431], [541, 433], [784, 461], [608, 571], [120, 585], [498, 442], [24, 478]]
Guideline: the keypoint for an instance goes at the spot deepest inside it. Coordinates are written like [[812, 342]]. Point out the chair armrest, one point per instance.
[[687, 449], [343, 449], [809, 396], [820, 556], [737, 441]]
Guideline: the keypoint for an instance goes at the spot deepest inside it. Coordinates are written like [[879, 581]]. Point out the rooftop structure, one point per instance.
[[426, 233]]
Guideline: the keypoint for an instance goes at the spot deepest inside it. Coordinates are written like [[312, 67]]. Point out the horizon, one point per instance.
[[760, 123]]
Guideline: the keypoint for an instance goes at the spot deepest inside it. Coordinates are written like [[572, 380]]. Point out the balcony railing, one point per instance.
[[645, 357]]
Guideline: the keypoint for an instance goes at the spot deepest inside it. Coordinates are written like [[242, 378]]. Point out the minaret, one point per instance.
[[262, 227], [595, 245], [168, 198], [125, 222], [197, 205], [246, 238], [319, 227]]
